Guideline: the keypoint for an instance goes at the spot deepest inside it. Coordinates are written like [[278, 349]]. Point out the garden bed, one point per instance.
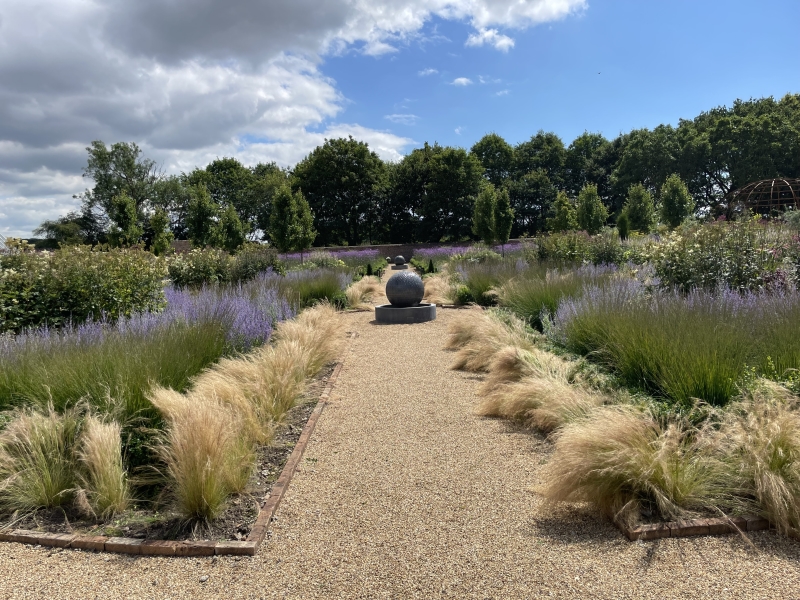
[[160, 523]]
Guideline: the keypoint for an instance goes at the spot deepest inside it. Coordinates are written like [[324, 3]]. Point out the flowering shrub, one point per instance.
[[213, 265], [74, 284], [742, 255]]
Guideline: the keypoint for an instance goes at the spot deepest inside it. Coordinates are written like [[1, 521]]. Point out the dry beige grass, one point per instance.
[[619, 455], [205, 448], [362, 292], [478, 335], [758, 447], [320, 330], [37, 460], [105, 482], [237, 402], [541, 403], [439, 290]]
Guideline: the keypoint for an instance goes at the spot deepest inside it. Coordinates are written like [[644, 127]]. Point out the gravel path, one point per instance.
[[403, 493]]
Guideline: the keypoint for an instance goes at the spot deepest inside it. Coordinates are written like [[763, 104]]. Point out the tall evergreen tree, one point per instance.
[[564, 214], [591, 213], [201, 215], [640, 209], [483, 224], [162, 236], [676, 202], [503, 219]]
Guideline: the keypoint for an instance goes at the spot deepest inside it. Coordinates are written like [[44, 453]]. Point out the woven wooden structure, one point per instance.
[[767, 197]]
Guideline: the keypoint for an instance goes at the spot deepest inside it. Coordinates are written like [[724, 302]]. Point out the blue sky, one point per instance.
[[618, 65], [268, 80]]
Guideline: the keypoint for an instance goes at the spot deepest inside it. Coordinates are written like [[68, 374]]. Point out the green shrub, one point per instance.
[[75, 283]]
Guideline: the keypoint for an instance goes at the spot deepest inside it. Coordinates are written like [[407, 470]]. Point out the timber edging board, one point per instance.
[[693, 527], [123, 545]]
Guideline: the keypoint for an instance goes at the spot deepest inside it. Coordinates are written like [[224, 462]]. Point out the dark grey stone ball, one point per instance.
[[405, 289], [399, 260]]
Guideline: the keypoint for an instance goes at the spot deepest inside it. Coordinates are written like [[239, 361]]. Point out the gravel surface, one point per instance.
[[403, 493]]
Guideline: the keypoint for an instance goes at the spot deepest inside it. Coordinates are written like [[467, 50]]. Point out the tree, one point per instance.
[[73, 228], [564, 215], [117, 171], [162, 236], [623, 226], [648, 158], [267, 180], [201, 217], [503, 219], [434, 190], [305, 232], [497, 157], [532, 197], [676, 201], [229, 232], [125, 230], [591, 213], [590, 158], [342, 181], [640, 209], [483, 224], [543, 151], [291, 221]]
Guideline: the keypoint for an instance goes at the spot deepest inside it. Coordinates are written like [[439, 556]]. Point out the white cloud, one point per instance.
[[202, 80], [502, 93], [462, 81], [458, 130], [492, 37], [426, 72], [402, 119]]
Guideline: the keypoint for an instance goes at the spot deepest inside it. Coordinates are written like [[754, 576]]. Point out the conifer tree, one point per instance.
[[640, 209], [483, 214], [503, 219], [564, 215], [676, 201], [591, 212]]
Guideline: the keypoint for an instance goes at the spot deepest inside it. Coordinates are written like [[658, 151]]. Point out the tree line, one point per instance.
[[343, 193]]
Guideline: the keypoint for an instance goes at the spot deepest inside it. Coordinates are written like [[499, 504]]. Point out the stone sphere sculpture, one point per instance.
[[399, 260], [405, 289]]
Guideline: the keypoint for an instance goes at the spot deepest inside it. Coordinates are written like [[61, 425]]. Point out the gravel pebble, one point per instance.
[[409, 495]]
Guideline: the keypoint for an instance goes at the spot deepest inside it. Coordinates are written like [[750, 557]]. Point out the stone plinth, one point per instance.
[[399, 315]]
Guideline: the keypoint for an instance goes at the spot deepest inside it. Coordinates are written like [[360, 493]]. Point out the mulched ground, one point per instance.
[[158, 521]]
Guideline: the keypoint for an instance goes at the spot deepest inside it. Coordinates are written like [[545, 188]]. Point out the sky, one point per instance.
[[268, 80]]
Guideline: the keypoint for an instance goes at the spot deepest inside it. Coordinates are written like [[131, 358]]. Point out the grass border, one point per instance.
[[248, 547]]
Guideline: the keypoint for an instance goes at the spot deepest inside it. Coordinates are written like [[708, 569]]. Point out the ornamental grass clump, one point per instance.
[[758, 444], [625, 461], [37, 460], [360, 293], [213, 429], [479, 335], [104, 479], [206, 452], [439, 289], [532, 297], [535, 388]]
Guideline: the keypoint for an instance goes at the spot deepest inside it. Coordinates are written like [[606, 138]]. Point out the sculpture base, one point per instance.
[[396, 315], [399, 267]]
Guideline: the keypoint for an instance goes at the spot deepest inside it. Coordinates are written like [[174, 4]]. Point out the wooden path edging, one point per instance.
[[693, 527], [123, 545]]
